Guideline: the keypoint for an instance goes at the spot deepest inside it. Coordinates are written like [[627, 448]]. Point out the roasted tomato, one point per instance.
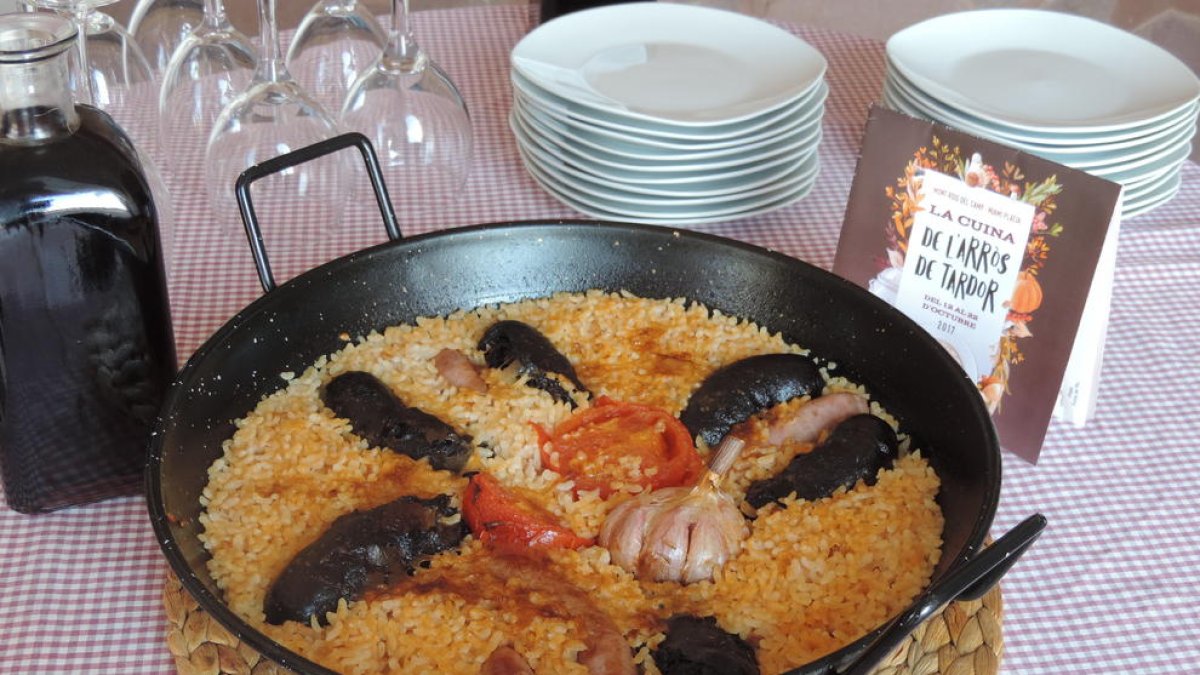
[[614, 443], [503, 519]]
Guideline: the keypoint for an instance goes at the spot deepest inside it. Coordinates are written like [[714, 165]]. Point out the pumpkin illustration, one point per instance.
[[1027, 296]]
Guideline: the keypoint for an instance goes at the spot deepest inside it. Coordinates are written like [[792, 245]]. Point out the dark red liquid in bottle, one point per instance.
[[551, 9], [86, 347]]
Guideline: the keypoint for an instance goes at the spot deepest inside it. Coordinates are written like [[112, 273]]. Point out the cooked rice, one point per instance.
[[811, 578]]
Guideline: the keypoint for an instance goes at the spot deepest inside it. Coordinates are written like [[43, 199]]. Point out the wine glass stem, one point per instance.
[[214, 12], [270, 67], [84, 80], [401, 44]]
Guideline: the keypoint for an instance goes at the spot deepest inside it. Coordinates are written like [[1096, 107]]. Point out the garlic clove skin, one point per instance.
[[668, 536], [714, 539], [624, 530]]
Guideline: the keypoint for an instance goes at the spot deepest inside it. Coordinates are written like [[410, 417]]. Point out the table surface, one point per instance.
[[1112, 586]]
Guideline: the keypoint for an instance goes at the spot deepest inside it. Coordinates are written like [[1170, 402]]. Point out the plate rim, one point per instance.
[[799, 190], [925, 101], [795, 173], [670, 18], [660, 132], [765, 174], [655, 173], [897, 49]]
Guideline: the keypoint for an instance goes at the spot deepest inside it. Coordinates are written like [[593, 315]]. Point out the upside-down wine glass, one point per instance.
[[109, 71], [336, 41], [116, 69], [417, 120], [272, 117], [160, 26], [212, 65]]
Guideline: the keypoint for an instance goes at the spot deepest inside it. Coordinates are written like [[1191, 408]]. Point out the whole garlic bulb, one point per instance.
[[682, 534]]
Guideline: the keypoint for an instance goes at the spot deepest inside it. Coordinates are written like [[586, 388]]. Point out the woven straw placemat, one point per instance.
[[964, 639]]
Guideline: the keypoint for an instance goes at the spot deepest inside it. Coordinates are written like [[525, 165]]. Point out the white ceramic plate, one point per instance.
[[608, 209], [583, 185], [665, 62], [622, 150], [618, 168], [1135, 208], [668, 217], [1043, 71], [1144, 190], [1113, 161], [1150, 188], [1064, 142], [782, 122], [742, 181], [1146, 168], [1123, 169], [661, 132]]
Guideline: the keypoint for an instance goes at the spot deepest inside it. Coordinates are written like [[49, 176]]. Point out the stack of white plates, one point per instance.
[[668, 114], [1070, 89]]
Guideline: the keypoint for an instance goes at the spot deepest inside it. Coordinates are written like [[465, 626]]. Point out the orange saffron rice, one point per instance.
[[811, 578]]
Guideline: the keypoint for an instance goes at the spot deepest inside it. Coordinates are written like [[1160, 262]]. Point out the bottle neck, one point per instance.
[[35, 99]]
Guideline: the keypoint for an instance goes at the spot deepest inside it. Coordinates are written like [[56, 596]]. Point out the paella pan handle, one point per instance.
[[973, 578], [294, 158]]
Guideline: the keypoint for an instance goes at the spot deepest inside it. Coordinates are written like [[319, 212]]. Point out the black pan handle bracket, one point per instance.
[[294, 158]]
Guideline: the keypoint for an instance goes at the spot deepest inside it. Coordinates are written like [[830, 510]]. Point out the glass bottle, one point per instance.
[[552, 9], [86, 346]]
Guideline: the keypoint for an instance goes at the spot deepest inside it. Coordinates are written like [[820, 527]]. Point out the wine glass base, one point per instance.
[[335, 42], [268, 120]]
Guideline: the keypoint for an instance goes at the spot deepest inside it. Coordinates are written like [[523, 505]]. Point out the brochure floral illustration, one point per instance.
[[994, 252]]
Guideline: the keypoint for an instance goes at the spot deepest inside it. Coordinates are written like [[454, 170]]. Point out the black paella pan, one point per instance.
[[289, 327]]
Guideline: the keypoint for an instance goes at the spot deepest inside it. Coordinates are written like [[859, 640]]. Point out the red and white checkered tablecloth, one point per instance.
[[1112, 587]]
